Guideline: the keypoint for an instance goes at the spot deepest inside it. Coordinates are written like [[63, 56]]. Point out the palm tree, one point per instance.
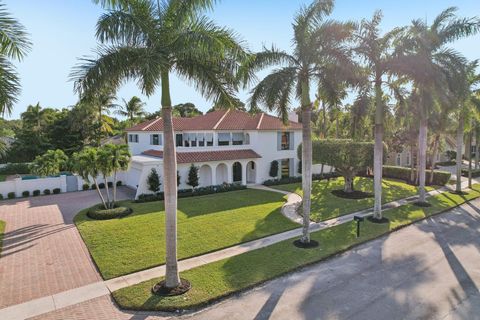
[[149, 40], [85, 163], [132, 109], [376, 50], [50, 163], [434, 67], [116, 158], [14, 45], [316, 44]]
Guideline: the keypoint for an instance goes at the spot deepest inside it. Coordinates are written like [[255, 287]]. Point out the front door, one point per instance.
[[285, 168]]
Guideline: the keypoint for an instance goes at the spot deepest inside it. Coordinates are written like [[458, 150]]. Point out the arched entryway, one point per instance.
[[251, 172], [205, 176], [237, 172], [221, 173]]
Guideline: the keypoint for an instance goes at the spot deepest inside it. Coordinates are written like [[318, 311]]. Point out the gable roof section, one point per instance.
[[221, 120], [206, 156]]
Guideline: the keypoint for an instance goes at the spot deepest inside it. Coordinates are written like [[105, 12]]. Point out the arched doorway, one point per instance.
[[251, 172], [222, 173], [205, 176], [237, 172]]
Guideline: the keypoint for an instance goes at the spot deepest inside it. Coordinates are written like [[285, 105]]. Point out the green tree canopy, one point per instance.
[[49, 164]]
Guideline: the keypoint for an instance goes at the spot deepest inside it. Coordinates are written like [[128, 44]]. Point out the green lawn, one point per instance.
[[3, 177], [205, 224], [2, 230], [326, 206], [221, 278]]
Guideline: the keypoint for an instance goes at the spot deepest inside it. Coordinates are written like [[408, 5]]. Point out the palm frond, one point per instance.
[[9, 86], [14, 42]]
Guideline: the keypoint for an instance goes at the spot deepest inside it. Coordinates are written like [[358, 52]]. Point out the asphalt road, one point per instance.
[[430, 270]]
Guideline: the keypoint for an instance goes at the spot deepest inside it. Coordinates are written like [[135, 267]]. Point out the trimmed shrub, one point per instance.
[[1, 196], [451, 155], [11, 195], [119, 183], [110, 184], [440, 178], [475, 173], [46, 191], [193, 176], [36, 193], [100, 213], [93, 186], [25, 193], [85, 187], [153, 181], [273, 169], [202, 191], [101, 185], [56, 191], [446, 163]]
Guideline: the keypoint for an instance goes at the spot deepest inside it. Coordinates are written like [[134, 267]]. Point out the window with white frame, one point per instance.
[[237, 138], [201, 139], [133, 138], [223, 138], [156, 139], [209, 139]]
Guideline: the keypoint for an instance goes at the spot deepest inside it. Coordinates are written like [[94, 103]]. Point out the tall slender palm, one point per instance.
[[132, 109], [14, 45], [316, 43], [376, 50], [434, 67], [149, 40]]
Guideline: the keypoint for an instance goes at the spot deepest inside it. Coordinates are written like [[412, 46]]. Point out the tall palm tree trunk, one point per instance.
[[422, 157], [114, 188], [107, 191], [378, 151], [477, 157], [434, 157], [461, 124], [306, 161], [412, 164], [470, 159], [100, 193], [172, 278]]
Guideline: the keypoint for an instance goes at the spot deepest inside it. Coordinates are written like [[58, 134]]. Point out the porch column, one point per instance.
[[230, 173], [214, 174], [244, 173]]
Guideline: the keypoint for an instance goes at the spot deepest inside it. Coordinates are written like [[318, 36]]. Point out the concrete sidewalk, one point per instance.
[[97, 289]]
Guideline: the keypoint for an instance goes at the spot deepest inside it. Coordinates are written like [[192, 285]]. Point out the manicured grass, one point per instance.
[[327, 206], [215, 280], [2, 230], [3, 177], [205, 224]]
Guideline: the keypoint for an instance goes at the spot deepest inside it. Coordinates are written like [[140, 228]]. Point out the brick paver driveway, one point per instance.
[[43, 253]]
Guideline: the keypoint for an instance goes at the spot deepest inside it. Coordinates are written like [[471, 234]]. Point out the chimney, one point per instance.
[[293, 116]]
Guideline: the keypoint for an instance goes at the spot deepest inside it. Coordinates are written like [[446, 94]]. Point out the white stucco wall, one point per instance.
[[18, 185]]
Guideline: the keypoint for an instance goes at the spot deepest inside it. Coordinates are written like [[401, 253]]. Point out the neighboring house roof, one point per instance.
[[206, 156], [221, 120]]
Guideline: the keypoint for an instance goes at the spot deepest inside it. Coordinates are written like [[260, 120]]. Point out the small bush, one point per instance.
[[440, 178], [85, 187], [1, 196], [451, 155], [11, 195], [273, 172], [93, 187], [25, 193], [475, 173], [101, 185], [446, 163], [100, 213], [159, 196], [56, 191], [119, 183], [36, 193], [110, 184], [46, 191]]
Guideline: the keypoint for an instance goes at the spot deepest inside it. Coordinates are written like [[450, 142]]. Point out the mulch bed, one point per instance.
[[302, 245], [161, 290]]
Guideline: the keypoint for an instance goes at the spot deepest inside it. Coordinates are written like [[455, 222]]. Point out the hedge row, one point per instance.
[[25, 194], [100, 213], [276, 182], [15, 168], [159, 196], [440, 178], [475, 173]]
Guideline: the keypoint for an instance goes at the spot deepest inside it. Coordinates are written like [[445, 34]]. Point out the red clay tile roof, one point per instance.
[[221, 120], [205, 156]]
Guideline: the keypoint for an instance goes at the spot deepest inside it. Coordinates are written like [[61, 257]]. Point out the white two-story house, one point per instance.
[[227, 146]]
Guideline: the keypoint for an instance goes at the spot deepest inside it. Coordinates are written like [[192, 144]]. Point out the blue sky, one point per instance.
[[63, 30]]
